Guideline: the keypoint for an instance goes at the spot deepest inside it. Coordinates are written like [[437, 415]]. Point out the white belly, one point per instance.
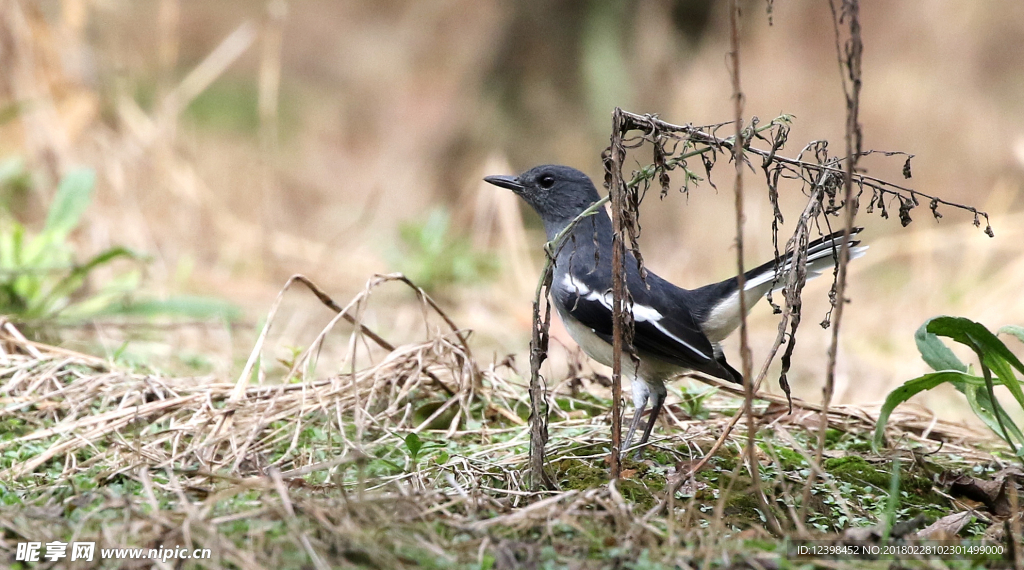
[[593, 345], [652, 371]]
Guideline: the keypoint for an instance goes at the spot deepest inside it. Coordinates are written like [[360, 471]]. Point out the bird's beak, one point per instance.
[[510, 182]]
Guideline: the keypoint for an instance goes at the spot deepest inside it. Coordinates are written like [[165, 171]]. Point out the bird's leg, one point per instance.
[[659, 399], [640, 395]]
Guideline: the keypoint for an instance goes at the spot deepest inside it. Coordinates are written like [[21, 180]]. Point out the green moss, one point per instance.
[[855, 470], [832, 437], [642, 492], [742, 508], [725, 460], [790, 460], [641, 487], [915, 483], [578, 475]]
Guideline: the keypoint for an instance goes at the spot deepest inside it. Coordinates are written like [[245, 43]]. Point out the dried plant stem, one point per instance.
[[854, 50], [615, 191], [286, 502], [539, 351], [748, 381], [168, 30], [268, 103], [538, 391], [652, 124], [795, 280]]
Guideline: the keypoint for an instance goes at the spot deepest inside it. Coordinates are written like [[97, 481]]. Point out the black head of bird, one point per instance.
[[557, 193]]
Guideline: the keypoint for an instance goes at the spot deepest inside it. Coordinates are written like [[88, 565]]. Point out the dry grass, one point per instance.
[[271, 471]]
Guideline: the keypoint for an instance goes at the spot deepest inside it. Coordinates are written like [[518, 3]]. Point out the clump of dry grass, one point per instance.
[[216, 439], [212, 424], [319, 467]]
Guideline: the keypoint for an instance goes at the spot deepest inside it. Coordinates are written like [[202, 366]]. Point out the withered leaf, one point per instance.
[[991, 493], [947, 527]]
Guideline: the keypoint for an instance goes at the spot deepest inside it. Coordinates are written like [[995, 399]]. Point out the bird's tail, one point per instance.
[[822, 255], [719, 303]]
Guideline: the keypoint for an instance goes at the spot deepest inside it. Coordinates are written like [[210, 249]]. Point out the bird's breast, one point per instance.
[[594, 346]]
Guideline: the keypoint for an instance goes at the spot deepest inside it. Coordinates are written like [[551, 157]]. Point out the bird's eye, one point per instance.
[[546, 181]]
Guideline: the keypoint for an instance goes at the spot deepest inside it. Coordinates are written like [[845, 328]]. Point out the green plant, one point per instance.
[[39, 278], [41, 281], [993, 357], [692, 398], [414, 445], [434, 259]]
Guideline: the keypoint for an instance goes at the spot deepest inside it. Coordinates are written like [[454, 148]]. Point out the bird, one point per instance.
[[676, 330]]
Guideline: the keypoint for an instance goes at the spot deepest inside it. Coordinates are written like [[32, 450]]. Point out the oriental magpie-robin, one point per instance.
[[675, 330]]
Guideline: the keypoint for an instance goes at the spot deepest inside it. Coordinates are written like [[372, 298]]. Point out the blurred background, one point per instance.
[[236, 143]]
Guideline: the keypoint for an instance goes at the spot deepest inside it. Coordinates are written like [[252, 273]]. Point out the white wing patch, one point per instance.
[[641, 313], [571, 283]]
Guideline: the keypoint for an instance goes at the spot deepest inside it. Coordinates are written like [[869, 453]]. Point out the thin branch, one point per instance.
[[539, 352], [854, 50], [812, 171], [748, 381], [621, 316]]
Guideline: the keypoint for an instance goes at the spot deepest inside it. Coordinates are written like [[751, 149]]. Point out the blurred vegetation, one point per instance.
[[277, 157], [435, 258], [227, 105], [561, 65], [42, 285], [39, 277]]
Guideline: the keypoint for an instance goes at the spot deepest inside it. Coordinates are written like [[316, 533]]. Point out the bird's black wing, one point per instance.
[[663, 326]]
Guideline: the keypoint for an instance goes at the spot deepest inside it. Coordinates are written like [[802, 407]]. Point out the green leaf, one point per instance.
[[73, 197], [990, 350], [909, 389], [120, 351], [99, 301], [10, 247], [994, 356], [970, 333], [76, 278], [935, 353], [981, 405], [413, 444], [1005, 373], [434, 256], [254, 376], [893, 501]]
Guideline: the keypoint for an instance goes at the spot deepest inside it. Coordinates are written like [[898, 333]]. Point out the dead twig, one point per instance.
[[745, 356]]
